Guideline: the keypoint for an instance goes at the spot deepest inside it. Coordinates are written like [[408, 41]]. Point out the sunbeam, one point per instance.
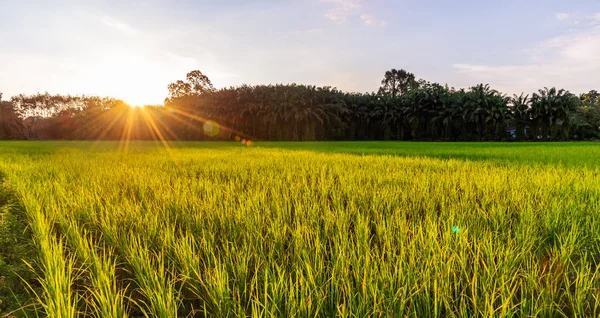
[[205, 120], [108, 127], [154, 129], [126, 134]]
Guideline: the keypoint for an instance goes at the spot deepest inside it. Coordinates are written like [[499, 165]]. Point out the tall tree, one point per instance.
[[196, 83], [397, 82], [520, 113], [586, 119], [551, 108], [403, 109], [11, 125]]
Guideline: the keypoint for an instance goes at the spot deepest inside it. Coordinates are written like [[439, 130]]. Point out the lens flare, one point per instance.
[[211, 128], [243, 141], [249, 143], [238, 138]]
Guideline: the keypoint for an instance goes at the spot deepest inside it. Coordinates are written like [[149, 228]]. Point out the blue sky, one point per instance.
[[133, 49]]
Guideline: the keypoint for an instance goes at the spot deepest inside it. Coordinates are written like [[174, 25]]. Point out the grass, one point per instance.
[[310, 229], [16, 254]]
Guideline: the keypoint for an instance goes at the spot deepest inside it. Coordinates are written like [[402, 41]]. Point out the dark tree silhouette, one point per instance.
[[403, 109], [397, 82], [11, 125]]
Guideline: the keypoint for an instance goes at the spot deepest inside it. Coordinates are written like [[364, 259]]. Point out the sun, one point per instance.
[[138, 99], [137, 102]]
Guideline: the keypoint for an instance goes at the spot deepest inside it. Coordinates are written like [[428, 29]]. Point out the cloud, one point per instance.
[[123, 27], [577, 19], [569, 61], [595, 19], [301, 33], [344, 9], [372, 21], [561, 16]]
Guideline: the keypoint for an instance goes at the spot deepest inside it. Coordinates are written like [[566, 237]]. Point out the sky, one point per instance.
[[133, 49]]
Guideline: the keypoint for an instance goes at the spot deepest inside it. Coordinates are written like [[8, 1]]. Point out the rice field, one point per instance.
[[346, 229]]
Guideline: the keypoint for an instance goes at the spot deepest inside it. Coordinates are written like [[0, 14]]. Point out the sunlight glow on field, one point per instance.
[[209, 219], [213, 219]]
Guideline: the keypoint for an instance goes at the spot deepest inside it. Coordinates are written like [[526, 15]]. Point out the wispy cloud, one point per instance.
[[577, 19], [123, 27], [595, 19], [569, 61], [562, 16], [372, 21], [342, 10]]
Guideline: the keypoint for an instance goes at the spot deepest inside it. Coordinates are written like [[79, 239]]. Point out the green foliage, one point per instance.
[[403, 109], [397, 82], [552, 108], [586, 119]]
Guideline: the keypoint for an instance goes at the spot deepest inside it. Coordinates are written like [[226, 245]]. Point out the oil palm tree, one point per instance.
[[520, 114]]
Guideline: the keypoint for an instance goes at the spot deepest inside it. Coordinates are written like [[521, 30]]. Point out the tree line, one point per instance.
[[404, 108]]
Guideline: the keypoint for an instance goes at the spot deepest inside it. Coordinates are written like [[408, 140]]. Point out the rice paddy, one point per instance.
[[306, 229]]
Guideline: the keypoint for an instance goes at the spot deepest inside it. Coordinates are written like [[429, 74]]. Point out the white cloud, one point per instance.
[[344, 9], [561, 16], [578, 19], [569, 61], [372, 21], [123, 27], [595, 19]]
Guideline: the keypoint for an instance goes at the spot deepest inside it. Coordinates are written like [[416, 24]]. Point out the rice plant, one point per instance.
[[285, 230]]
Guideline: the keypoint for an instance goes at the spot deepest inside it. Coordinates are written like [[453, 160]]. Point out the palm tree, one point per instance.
[[476, 108], [383, 113], [498, 115], [550, 108], [520, 114], [416, 111], [446, 117]]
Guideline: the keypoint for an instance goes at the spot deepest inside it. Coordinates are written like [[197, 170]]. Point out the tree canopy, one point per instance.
[[403, 109]]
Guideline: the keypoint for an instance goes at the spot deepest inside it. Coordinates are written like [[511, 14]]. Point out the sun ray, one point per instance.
[[183, 121], [108, 128], [151, 131], [204, 120], [154, 129], [126, 134], [156, 132], [93, 122], [170, 134]]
